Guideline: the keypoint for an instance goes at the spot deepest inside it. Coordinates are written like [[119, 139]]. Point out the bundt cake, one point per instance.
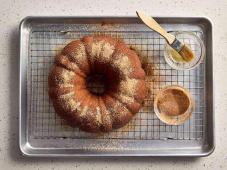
[[125, 87]]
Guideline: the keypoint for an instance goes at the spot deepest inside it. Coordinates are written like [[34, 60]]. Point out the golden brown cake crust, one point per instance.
[[97, 55]]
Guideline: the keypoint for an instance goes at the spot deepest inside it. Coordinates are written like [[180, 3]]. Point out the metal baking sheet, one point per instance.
[[43, 133]]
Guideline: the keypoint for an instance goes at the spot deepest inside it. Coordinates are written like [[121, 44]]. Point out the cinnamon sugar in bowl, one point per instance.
[[174, 105]]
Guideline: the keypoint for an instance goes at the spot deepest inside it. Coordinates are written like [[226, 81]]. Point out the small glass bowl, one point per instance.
[[174, 119], [194, 42]]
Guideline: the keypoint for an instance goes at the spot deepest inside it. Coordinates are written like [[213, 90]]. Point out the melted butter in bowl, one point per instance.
[[173, 105], [190, 56]]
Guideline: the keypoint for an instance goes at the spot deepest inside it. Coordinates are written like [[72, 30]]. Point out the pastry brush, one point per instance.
[[183, 49]]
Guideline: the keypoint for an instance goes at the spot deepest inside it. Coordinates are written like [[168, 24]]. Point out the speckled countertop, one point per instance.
[[12, 11]]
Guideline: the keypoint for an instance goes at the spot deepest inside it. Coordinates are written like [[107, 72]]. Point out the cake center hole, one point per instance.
[[96, 84]]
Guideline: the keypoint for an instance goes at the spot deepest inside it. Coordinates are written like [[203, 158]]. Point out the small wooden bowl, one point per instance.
[[180, 105]]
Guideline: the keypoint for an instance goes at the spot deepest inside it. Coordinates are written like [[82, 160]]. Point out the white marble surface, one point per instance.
[[12, 11]]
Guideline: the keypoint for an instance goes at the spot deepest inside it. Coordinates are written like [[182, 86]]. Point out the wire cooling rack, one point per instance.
[[45, 124]]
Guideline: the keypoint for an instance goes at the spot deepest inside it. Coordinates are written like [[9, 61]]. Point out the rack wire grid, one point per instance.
[[44, 123]]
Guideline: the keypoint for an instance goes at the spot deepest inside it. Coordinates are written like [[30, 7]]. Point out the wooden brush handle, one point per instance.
[[151, 23]]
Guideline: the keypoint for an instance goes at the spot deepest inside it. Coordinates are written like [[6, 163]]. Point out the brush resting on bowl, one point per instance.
[[193, 51], [99, 58]]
